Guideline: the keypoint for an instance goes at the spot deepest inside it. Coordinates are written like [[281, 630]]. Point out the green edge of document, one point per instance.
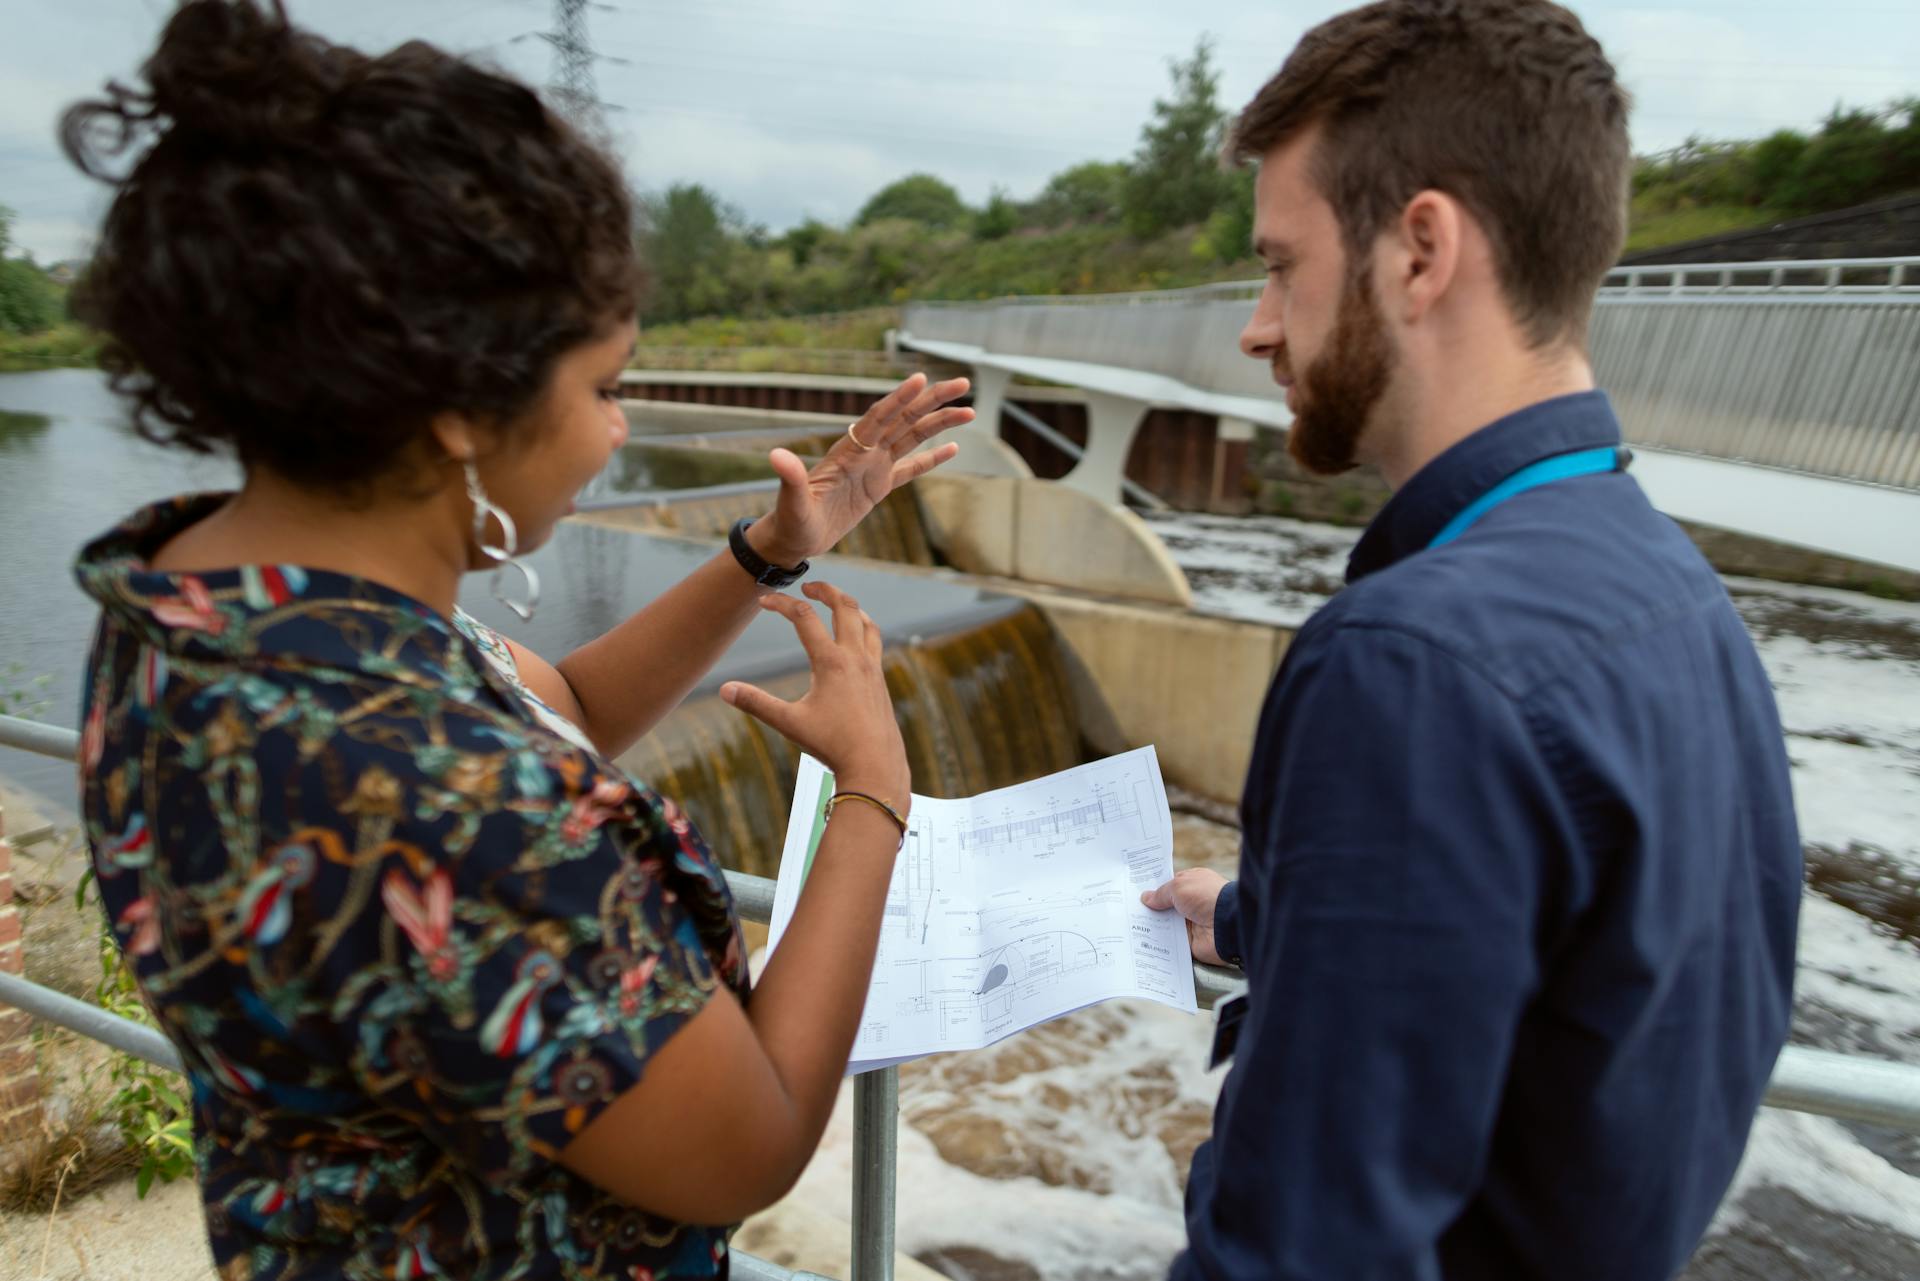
[[819, 825]]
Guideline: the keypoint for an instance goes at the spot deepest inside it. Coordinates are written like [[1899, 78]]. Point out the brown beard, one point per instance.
[[1340, 389]]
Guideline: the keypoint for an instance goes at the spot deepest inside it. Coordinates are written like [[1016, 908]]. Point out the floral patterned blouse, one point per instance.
[[408, 931]]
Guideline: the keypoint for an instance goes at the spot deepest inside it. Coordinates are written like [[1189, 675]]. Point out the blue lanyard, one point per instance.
[[1588, 462]]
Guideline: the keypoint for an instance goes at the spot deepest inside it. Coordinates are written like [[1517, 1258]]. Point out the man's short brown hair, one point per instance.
[[1509, 106]]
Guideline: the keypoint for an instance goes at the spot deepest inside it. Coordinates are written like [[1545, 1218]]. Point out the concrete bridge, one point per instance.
[[1776, 399]]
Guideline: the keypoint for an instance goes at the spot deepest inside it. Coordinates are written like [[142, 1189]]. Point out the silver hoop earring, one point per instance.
[[503, 553]]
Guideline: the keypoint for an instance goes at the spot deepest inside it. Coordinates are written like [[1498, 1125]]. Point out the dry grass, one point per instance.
[[77, 1150]]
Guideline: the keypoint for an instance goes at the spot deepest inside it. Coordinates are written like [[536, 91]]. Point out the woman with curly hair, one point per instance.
[[455, 995]]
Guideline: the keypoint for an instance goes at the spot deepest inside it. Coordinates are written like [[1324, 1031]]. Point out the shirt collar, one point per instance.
[[284, 615], [1444, 487]]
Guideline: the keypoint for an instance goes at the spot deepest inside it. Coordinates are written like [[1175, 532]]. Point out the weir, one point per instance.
[[981, 706]]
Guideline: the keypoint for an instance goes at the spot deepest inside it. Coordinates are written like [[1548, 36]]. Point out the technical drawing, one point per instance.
[[1106, 813], [1011, 908]]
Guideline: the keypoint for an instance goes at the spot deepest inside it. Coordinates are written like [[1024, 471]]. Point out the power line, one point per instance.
[[570, 87]]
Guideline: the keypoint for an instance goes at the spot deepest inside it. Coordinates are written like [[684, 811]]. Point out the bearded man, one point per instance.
[[1521, 873]]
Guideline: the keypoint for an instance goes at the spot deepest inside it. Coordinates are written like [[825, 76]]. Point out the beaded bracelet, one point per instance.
[[874, 801]]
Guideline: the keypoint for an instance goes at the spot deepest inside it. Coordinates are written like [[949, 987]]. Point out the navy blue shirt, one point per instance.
[[1518, 897]]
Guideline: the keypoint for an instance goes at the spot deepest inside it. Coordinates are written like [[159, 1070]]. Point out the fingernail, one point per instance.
[[728, 693]]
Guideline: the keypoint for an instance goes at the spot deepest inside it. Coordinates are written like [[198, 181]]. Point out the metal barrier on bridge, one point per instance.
[[1813, 367], [1777, 399], [1819, 1081]]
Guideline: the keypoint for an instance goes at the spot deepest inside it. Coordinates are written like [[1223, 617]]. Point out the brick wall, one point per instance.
[[19, 1075]]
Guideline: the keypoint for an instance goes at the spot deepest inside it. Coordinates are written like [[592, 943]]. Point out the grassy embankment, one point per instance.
[[67, 346]]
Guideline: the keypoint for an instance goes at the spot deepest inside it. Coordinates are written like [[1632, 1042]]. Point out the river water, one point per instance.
[[1061, 1153], [70, 467]]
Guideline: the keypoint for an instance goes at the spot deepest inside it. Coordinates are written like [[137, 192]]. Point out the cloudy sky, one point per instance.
[[796, 108]]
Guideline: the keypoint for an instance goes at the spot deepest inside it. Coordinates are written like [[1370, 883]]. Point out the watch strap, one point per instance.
[[764, 572]]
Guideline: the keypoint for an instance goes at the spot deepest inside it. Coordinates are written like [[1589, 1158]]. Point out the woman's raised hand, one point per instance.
[[846, 717], [816, 508]]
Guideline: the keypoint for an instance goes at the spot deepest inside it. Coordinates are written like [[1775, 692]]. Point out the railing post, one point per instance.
[[876, 1145]]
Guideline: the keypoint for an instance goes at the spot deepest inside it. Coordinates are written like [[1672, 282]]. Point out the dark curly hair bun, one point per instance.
[[236, 74], [311, 251]]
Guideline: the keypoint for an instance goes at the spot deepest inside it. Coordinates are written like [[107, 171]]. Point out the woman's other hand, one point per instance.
[[733, 1105], [816, 508], [845, 719]]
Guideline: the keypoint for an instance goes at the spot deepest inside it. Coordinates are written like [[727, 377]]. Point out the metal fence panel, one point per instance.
[[1812, 366]]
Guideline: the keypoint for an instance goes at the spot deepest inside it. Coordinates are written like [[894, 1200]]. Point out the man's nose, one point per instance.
[[1263, 336]]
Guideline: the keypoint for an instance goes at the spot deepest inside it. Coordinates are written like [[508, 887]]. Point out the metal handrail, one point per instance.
[[1223, 291], [1851, 1088], [821, 361], [674, 497], [1903, 276]]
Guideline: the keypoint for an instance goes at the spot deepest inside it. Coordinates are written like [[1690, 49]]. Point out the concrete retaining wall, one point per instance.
[[1189, 684], [1041, 532]]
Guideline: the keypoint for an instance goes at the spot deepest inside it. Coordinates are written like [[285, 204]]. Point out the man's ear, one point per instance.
[[1424, 249]]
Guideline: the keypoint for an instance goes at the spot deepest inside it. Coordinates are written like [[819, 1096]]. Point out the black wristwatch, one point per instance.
[[764, 572]]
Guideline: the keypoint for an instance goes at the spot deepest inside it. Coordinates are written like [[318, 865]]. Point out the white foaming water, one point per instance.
[[1263, 568], [1850, 700], [1821, 1160], [1098, 1116]]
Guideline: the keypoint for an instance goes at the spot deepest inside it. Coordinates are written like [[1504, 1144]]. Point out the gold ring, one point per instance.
[[858, 444]]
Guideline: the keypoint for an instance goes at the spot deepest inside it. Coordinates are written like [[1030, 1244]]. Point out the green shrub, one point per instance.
[[148, 1103], [65, 346]]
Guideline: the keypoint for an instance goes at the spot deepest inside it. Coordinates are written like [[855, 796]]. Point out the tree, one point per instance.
[[1175, 179], [1850, 160], [1906, 145], [1087, 193], [803, 240], [1000, 219], [1229, 233], [920, 198], [686, 240], [1772, 161], [884, 256], [29, 302]]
